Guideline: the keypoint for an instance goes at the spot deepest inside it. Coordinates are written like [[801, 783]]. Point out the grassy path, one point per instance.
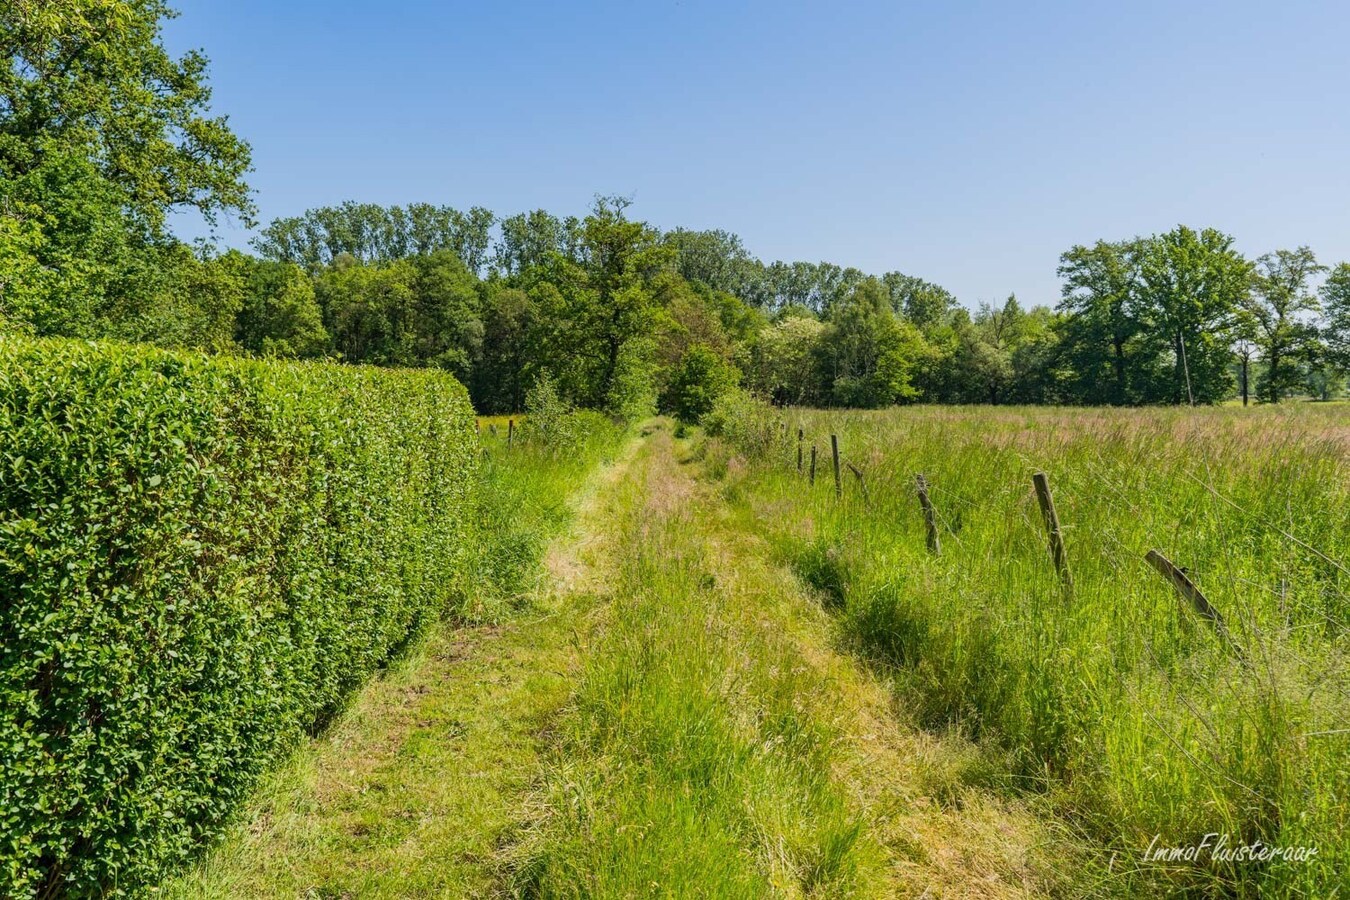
[[414, 792], [670, 719]]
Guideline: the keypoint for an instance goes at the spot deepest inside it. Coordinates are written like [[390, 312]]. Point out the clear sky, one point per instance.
[[967, 143]]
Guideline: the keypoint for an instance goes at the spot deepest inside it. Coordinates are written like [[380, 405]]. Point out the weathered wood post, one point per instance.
[[1187, 590], [813, 465], [1183, 584], [510, 433], [1047, 502], [929, 515], [857, 473], [834, 449], [800, 438]]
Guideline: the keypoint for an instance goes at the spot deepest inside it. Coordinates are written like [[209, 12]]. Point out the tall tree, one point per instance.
[[1336, 306], [716, 258], [102, 135], [1192, 285], [1280, 295], [922, 302], [371, 233], [868, 355], [528, 238], [280, 314], [620, 259], [92, 77], [1100, 284]]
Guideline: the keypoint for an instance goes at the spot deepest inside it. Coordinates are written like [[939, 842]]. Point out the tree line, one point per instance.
[[103, 134]]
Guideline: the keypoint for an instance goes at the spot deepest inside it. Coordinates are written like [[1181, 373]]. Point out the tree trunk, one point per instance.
[[1246, 362], [1179, 390], [1119, 346]]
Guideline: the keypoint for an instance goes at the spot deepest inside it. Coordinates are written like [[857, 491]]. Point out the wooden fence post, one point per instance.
[[800, 438], [813, 465], [510, 433], [929, 515], [1047, 502], [834, 449], [857, 473], [1187, 590]]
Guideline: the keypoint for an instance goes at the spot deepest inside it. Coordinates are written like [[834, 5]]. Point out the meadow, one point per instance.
[[1136, 720]]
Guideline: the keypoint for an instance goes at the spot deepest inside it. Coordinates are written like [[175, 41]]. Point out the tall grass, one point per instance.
[[691, 764], [1131, 714], [522, 501]]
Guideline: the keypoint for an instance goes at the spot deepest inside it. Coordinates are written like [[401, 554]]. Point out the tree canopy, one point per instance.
[[103, 134]]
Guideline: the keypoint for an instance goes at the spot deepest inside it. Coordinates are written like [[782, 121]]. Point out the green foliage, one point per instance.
[[280, 314], [1100, 330], [700, 379], [866, 352], [528, 239], [1191, 286], [1336, 302], [102, 135], [378, 234], [91, 79], [742, 419], [548, 417], [785, 361], [200, 558]]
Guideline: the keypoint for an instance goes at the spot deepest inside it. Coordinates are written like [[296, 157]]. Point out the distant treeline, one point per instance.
[[104, 134], [627, 318]]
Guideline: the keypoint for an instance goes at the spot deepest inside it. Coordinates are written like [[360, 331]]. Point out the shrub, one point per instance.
[[746, 422], [700, 378], [548, 417], [199, 559]]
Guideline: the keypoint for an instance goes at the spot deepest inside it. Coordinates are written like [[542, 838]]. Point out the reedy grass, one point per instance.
[[1124, 709]]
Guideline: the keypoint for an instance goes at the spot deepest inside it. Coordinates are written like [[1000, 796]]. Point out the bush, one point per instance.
[[548, 417], [745, 421], [199, 559], [697, 382]]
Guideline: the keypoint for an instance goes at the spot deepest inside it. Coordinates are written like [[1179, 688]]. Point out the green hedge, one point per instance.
[[199, 559]]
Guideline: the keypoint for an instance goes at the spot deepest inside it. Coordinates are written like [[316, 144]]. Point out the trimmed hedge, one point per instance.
[[199, 559]]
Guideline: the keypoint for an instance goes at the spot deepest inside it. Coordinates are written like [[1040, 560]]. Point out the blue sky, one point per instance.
[[968, 143]]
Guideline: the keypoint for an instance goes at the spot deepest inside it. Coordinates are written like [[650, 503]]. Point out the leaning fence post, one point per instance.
[[1047, 502], [813, 465], [1189, 592], [857, 473], [929, 515], [834, 449], [800, 438], [510, 433]]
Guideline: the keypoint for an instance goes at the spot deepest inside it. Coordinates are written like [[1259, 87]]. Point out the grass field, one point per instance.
[[1132, 716], [683, 670]]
